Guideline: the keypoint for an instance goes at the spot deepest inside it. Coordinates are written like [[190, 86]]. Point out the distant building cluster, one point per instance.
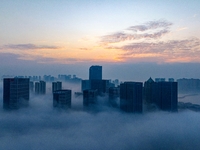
[[48, 78], [188, 85], [127, 96]]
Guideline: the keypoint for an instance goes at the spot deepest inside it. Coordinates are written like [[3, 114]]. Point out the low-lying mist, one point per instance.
[[40, 126]]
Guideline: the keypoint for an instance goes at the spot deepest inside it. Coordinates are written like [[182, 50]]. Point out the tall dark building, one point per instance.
[[56, 86], [168, 96], [95, 73], [149, 91], [101, 86], [85, 85], [131, 97], [163, 94], [15, 92], [62, 98], [40, 87], [89, 97], [31, 86], [113, 93]]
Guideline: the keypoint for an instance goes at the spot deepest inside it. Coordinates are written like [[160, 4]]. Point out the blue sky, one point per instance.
[[98, 32]]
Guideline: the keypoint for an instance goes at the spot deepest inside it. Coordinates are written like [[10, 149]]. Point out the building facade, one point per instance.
[[56, 86], [113, 95], [89, 97], [163, 94], [95, 73], [62, 98], [15, 92], [40, 87], [131, 97]]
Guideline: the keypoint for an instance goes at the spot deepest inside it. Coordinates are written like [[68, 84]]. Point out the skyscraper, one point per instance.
[[113, 94], [89, 97], [31, 86], [101, 86], [40, 87], [15, 92], [62, 98], [163, 94], [95, 73], [85, 85], [168, 96], [56, 86], [131, 97]]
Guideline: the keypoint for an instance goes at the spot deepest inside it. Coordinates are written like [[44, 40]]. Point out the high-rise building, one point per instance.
[[37, 87], [40, 87], [113, 93], [95, 73], [31, 86], [56, 86], [101, 86], [131, 97], [89, 97], [167, 96], [85, 85], [62, 98], [163, 94], [15, 92]]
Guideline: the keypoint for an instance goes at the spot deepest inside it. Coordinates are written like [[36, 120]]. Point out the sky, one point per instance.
[[60, 36]]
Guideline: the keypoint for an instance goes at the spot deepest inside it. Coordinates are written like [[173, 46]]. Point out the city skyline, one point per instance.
[[101, 126], [134, 40], [72, 35]]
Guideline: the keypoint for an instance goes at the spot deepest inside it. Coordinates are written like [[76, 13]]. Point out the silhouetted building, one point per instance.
[[149, 91], [62, 98], [171, 79], [113, 93], [40, 87], [131, 97], [168, 96], [31, 86], [37, 87], [95, 73], [85, 85], [160, 79], [15, 92], [89, 97], [188, 85], [163, 94], [56, 86], [101, 86]]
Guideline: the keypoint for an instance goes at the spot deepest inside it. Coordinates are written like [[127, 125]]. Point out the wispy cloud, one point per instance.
[[28, 46], [149, 30], [173, 50], [182, 28], [144, 42], [152, 25]]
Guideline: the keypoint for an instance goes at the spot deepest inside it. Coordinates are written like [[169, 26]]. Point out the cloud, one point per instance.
[[173, 50], [150, 30], [40, 126], [182, 28], [151, 25], [28, 46]]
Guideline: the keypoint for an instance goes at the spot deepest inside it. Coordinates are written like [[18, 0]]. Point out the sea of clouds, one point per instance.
[[40, 126]]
